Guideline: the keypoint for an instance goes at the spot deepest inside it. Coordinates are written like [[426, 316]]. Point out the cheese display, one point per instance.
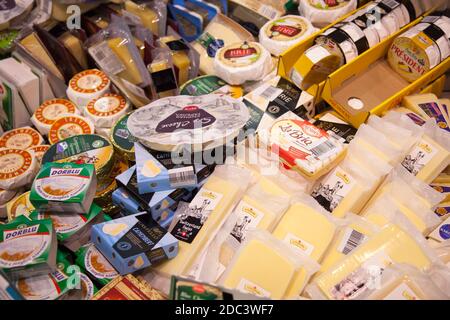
[[224, 150], [46, 114], [280, 34], [87, 85], [242, 61], [421, 48], [211, 120]]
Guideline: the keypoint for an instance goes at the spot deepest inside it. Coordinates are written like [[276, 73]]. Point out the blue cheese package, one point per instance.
[[153, 176], [134, 242]]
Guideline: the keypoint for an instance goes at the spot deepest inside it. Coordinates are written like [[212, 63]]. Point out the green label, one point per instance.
[[121, 136], [202, 85]]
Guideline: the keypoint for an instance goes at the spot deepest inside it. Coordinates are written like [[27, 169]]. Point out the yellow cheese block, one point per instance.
[[261, 270], [351, 276], [347, 239], [149, 18], [269, 186], [131, 72], [226, 192], [34, 46], [75, 47], [180, 60]]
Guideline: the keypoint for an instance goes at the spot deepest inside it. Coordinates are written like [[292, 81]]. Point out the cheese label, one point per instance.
[[299, 139], [443, 209], [249, 287], [89, 81], [39, 151], [240, 55], [190, 117], [195, 215], [121, 136], [351, 240], [107, 105], [65, 223], [69, 126], [247, 218], [21, 138], [52, 109], [333, 188], [286, 29], [299, 244], [210, 43], [14, 163], [419, 157], [38, 288], [328, 4], [402, 292], [210, 84], [97, 265], [433, 111], [20, 206]]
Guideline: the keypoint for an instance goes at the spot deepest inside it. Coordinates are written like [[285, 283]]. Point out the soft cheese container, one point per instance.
[[322, 13], [87, 85], [46, 114]]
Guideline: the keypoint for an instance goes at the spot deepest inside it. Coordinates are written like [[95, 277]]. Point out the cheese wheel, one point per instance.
[[106, 110], [242, 61], [87, 85], [39, 152], [278, 35], [69, 125], [344, 38], [321, 13], [17, 168], [421, 48], [21, 138], [49, 111]]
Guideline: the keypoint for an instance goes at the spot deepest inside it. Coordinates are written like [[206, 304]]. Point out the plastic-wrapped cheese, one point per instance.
[[321, 13], [69, 125], [209, 120], [279, 34], [242, 61], [17, 168], [87, 85], [20, 138], [148, 17], [421, 48], [106, 110], [14, 10], [49, 111]]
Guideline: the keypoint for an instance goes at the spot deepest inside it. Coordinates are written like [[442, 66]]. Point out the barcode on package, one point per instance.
[[391, 3], [323, 149], [352, 239], [268, 12], [180, 177], [270, 93], [106, 58]]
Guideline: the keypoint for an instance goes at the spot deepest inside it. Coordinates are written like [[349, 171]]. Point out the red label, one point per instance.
[[239, 53], [288, 31]]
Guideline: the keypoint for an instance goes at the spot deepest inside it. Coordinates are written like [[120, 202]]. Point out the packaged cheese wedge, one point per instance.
[[428, 106], [397, 242], [197, 222], [352, 232], [267, 267], [307, 227], [258, 209], [151, 16], [386, 207]]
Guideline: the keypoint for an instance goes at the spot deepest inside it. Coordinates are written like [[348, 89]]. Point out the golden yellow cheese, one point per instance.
[[180, 60], [75, 47], [60, 12], [352, 276], [33, 45], [149, 18], [131, 72]]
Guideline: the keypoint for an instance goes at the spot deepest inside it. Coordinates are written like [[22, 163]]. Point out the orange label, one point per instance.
[[89, 81], [66, 127], [50, 110], [14, 162], [107, 105], [21, 138]]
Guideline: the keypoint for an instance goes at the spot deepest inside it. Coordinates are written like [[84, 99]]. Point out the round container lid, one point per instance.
[[20, 138], [184, 120], [106, 110], [17, 168], [46, 114], [68, 126]]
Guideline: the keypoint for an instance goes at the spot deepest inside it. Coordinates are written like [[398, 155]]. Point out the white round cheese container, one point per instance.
[[87, 85], [242, 61], [17, 168], [345, 36], [280, 34], [106, 110], [20, 138], [69, 125], [421, 48], [49, 111], [200, 122], [322, 14]]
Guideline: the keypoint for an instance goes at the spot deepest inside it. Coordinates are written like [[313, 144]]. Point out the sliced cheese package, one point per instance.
[[268, 268], [87, 85], [322, 13], [300, 225], [239, 62], [46, 114], [350, 185], [421, 48], [279, 34], [397, 242], [197, 222], [258, 209], [351, 233]]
